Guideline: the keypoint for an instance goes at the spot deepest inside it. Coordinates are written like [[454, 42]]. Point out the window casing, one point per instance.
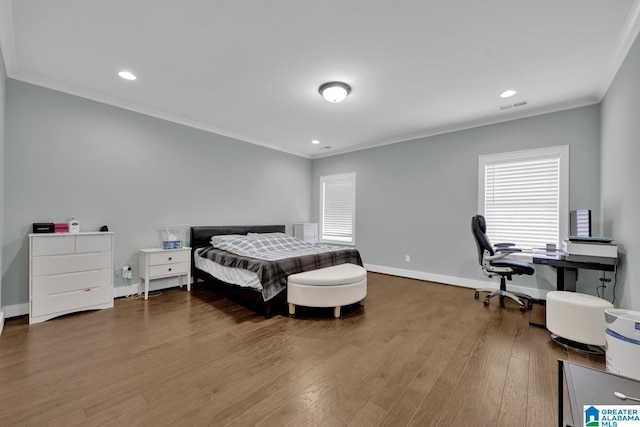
[[524, 196], [338, 208]]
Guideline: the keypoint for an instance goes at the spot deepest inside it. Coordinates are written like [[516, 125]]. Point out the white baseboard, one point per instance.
[[125, 291], [154, 285], [16, 310], [452, 280], [122, 291], [1, 320]]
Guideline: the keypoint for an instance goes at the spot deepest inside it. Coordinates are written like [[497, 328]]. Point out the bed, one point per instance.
[[259, 283]]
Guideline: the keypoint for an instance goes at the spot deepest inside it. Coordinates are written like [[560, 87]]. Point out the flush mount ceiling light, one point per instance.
[[507, 93], [127, 75], [315, 141], [334, 91]]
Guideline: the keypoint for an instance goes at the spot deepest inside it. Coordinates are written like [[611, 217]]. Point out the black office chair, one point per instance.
[[494, 262]]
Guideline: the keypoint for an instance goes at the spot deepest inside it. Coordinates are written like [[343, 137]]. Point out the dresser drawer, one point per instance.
[[93, 243], [57, 283], [58, 264], [169, 257], [65, 301], [53, 245], [156, 271]]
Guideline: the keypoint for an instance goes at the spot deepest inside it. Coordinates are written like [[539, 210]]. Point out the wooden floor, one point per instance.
[[417, 354]]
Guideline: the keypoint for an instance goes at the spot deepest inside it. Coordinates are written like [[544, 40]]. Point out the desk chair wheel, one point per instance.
[[529, 305], [486, 302], [477, 295], [523, 309]]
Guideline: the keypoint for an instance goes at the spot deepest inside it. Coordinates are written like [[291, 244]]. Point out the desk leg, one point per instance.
[[560, 394], [566, 279]]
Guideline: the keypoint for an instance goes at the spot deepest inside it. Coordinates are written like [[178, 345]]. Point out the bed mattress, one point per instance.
[[267, 277]]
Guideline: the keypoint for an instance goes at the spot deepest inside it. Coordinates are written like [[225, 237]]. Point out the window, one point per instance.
[[338, 208], [524, 196]]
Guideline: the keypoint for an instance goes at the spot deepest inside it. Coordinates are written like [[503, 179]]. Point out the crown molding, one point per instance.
[[486, 121], [626, 38]]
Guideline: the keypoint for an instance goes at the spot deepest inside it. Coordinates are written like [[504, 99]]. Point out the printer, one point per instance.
[[601, 250]]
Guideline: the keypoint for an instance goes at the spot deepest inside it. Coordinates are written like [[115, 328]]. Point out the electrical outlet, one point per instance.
[[127, 273], [407, 258]]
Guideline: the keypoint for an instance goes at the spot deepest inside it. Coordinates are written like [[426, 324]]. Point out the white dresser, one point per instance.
[[69, 272], [156, 263], [307, 231]]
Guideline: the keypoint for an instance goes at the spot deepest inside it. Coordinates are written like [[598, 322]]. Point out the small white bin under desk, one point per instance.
[[157, 263]]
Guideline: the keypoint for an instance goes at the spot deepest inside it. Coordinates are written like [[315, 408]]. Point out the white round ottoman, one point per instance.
[[333, 286], [577, 317]]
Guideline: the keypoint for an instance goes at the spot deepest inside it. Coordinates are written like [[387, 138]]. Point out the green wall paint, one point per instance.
[[417, 198], [620, 153], [3, 80], [70, 156], [105, 165]]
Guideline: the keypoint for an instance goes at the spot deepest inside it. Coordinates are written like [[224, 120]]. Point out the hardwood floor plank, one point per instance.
[[513, 406], [410, 356]]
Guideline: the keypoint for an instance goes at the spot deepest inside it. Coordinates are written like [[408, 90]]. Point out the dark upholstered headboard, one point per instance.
[[201, 235]]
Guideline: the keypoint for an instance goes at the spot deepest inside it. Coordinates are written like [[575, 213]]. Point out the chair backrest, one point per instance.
[[479, 230]]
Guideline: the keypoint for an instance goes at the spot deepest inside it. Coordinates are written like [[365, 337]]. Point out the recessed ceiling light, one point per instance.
[[334, 91], [127, 75], [315, 141], [507, 93]]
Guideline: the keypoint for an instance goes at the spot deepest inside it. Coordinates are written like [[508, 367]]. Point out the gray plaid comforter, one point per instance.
[[269, 246], [273, 274]]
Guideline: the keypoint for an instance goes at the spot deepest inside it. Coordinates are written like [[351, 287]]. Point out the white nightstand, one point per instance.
[[156, 263]]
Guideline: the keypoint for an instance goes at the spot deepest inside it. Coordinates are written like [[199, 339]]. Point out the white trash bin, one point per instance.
[[623, 342]]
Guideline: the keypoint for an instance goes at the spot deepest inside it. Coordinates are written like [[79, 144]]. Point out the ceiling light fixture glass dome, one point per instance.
[[334, 91], [507, 93], [127, 75]]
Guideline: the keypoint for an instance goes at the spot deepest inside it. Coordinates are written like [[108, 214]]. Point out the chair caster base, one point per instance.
[[477, 295]]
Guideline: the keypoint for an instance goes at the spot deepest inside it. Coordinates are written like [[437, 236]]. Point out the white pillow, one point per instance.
[[224, 237]]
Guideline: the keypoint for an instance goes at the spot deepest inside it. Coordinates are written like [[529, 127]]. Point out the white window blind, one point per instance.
[[524, 196], [338, 208]]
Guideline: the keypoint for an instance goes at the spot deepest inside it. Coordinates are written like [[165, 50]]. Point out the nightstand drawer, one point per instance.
[[156, 271], [167, 257]]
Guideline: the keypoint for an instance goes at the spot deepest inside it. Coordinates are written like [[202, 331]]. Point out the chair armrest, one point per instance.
[[508, 250], [497, 255], [503, 245]]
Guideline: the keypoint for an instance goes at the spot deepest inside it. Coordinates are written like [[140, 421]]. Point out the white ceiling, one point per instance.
[[251, 69]]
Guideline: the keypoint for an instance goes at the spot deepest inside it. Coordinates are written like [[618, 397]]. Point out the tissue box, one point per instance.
[[172, 244]]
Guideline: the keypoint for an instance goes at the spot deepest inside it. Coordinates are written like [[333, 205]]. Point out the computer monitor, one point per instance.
[[580, 223]]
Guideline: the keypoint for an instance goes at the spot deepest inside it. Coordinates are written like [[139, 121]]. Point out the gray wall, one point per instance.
[[3, 79], [71, 156], [417, 198], [620, 152]]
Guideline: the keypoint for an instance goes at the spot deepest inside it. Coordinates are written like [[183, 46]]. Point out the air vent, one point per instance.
[[507, 106]]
